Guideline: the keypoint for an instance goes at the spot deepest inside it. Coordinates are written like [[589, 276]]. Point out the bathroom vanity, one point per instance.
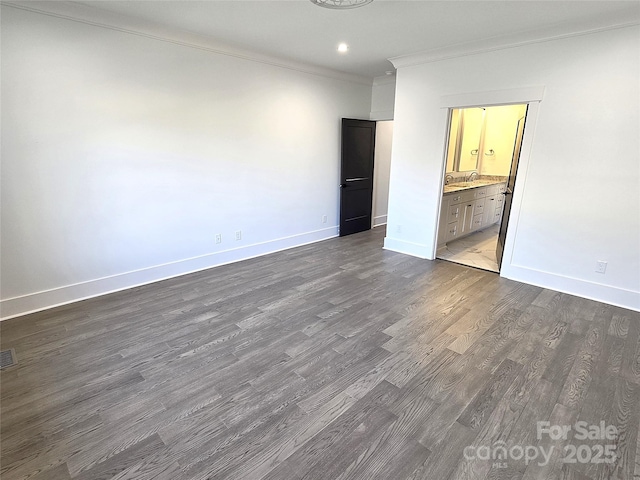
[[469, 207]]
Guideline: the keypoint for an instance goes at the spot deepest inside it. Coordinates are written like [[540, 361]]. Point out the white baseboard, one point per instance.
[[581, 288], [33, 302], [608, 294], [379, 220], [18, 306], [409, 248]]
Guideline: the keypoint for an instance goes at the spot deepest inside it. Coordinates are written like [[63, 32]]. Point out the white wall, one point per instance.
[[381, 169], [500, 133], [383, 98], [123, 157], [577, 196]]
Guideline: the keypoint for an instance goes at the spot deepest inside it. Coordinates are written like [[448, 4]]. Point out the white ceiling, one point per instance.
[[297, 30]]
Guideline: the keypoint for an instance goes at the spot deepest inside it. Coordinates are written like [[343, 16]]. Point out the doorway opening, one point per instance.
[[381, 172], [483, 151]]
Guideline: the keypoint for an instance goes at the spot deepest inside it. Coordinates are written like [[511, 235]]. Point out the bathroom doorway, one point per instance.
[[483, 151]]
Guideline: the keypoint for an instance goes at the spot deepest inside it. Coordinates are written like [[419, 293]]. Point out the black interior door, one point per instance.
[[508, 194], [356, 175]]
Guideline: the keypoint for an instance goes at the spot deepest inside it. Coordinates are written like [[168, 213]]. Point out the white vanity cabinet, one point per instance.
[[466, 211], [453, 212], [493, 204]]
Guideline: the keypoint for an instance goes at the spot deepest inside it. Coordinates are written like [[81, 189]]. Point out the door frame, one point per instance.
[[533, 97]]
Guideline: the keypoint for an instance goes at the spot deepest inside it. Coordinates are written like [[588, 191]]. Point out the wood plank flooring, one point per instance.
[[336, 360]]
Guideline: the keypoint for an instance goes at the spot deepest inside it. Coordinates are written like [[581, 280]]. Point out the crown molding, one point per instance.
[[627, 18], [90, 15]]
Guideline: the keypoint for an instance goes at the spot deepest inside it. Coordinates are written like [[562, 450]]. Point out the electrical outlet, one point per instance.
[[324, 219], [238, 234], [601, 266], [399, 229], [219, 238]]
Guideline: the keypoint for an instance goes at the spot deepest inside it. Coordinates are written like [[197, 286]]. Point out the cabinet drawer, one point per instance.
[[478, 208], [461, 197], [481, 192], [496, 217], [502, 188], [452, 231], [455, 199], [493, 189], [455, 212]]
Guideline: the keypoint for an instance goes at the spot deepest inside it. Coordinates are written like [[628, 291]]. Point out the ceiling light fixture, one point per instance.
[[341, 4], [343, 48]]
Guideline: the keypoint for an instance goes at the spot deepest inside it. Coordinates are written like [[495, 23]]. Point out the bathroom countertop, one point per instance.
[[456, 187]]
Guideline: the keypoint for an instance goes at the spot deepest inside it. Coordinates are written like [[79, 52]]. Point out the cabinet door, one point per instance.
[[452, 231], [455, 213], [476, 223], [467, 218], [489, 210]]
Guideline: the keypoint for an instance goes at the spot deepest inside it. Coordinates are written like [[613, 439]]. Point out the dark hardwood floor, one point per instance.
[[336, 360]]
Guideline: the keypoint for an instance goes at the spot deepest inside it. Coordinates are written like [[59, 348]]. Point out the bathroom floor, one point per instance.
[[477, 250]]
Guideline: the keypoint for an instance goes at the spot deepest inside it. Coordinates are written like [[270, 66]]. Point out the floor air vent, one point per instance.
[[7, 358]]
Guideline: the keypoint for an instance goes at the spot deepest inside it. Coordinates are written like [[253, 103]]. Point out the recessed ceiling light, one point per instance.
[[343, 48]]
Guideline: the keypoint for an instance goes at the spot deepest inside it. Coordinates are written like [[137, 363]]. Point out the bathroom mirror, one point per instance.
[[465, 135], [481, 139]]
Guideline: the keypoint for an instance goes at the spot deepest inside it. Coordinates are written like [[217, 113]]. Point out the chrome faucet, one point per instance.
[[448, 179], [471, 177]]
